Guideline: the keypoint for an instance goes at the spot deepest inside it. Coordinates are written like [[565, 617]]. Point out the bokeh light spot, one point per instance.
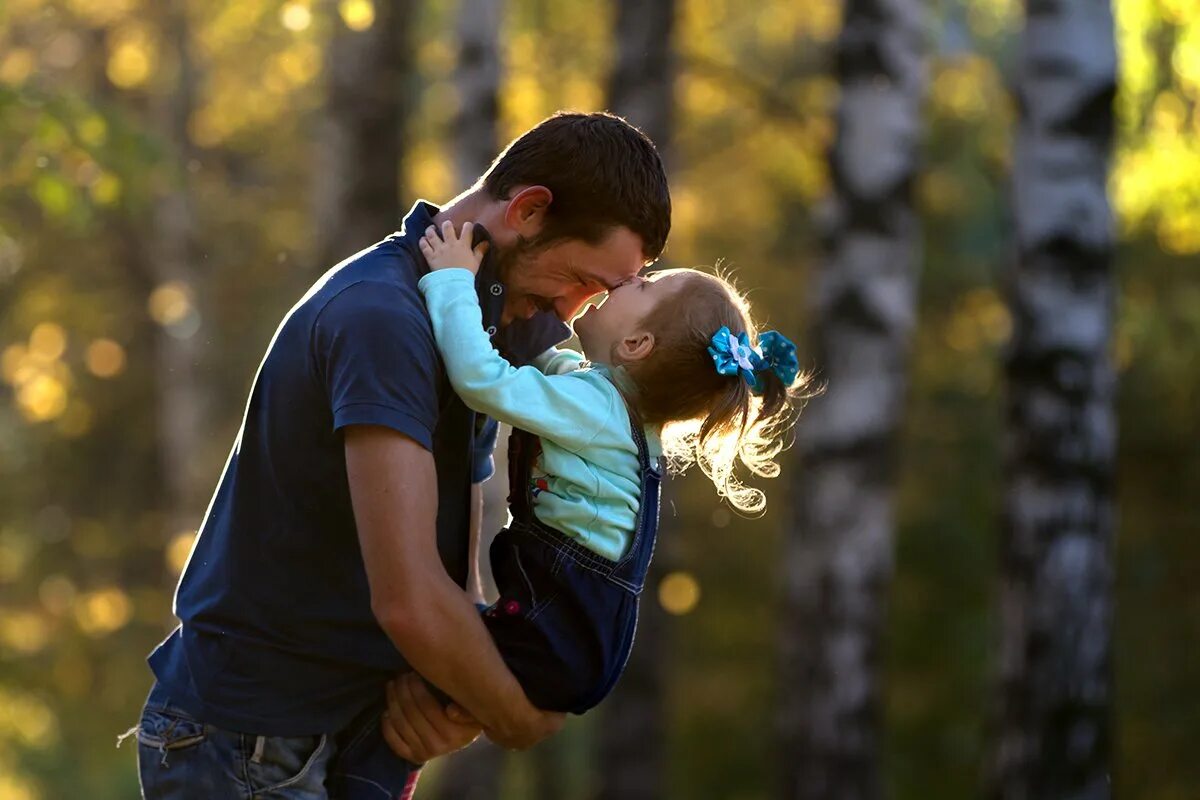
[[295, 16], [678, 593], [129, 65], [11, 361], [53, 194], [31, 720], [179, 549], [357, 14], [47, 341], [93, 130], [101, 612], [15, 552], [15, 787], [170, 303], [105, 358], [42, 398], [24, 632], [17, 65], [106, 189]]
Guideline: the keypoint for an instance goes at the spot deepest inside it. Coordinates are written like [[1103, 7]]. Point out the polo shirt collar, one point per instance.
[[522, 339]]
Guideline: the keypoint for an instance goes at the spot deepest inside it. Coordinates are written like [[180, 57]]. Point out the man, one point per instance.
[[335, 550]]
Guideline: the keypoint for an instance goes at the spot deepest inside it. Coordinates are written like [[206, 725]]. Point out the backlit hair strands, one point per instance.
[[709, 419]]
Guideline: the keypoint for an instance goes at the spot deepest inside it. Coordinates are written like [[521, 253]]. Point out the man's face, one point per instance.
[[562, 276], [623, 312]]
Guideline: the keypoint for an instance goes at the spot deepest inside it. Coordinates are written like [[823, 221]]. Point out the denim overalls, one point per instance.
[[564, 622], [565, 619]]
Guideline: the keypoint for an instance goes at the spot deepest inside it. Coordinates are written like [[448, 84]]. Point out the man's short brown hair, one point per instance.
[[604, 173]]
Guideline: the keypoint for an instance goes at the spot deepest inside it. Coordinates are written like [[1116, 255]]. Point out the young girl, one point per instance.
[[672, 350]]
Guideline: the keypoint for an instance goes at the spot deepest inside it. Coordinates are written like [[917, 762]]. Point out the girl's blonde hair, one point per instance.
[[711, 419]]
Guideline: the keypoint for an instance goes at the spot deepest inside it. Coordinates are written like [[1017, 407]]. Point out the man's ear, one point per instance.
[[526, 211], [635, 347]]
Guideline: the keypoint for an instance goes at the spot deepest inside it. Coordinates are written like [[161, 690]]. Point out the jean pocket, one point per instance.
[[167, 730], [286, 762]]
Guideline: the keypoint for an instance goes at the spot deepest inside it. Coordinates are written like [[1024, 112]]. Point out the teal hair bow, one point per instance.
[[733, 355]]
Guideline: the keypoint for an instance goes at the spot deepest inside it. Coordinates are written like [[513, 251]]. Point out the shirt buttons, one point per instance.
[[491, 330], [497, 290]]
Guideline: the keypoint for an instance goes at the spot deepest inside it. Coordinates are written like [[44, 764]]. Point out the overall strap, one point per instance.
[[522, 450], [639, 439], [630, 571]]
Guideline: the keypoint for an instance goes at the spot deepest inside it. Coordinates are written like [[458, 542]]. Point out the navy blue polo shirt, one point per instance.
[[277, 636]]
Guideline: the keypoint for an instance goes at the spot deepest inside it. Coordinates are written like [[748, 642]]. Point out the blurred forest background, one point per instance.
[[173, 175]]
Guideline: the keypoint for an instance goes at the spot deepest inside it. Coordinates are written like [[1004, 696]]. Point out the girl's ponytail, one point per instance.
[[711, 418]]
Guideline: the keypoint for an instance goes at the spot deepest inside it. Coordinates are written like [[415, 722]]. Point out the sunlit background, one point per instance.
[[103, 351]]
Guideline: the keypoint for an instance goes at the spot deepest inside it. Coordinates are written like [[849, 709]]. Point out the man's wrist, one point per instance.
[[521, 724]]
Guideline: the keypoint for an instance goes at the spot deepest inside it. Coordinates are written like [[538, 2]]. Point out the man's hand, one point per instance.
[[452, 250], [417, 727]]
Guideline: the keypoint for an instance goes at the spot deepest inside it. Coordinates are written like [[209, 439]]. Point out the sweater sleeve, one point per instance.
[[566, 409]]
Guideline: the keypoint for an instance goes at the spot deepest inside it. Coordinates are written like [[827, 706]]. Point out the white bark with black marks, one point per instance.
[[839, 549], [172, 260], [1053, 702]]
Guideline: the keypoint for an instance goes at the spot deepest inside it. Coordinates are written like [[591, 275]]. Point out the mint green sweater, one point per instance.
[[588, 471]]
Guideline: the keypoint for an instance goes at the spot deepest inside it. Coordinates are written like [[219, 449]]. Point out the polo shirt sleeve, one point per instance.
[[375, 353], [485, 447]]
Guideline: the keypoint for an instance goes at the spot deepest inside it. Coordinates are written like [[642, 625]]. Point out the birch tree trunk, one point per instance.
[[475, 773], [358, 186], [632, 733], [172, 267], [1053, 715], [477, 81], [838, 559], [640, 87]]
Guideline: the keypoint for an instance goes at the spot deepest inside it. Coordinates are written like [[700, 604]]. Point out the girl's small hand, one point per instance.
[[450, 249]]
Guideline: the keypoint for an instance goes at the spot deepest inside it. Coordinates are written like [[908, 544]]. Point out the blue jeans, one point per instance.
[[182, 758]]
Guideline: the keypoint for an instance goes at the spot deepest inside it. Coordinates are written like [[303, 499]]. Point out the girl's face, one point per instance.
[[607, 330]]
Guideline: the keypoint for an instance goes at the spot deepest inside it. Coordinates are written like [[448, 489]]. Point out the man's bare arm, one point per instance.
[[393, 487]]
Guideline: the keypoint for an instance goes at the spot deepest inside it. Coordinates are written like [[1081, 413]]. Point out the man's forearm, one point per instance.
[[393, 486], [439, 632]]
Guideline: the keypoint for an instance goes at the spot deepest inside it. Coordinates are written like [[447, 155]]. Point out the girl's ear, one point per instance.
[[635, 347]]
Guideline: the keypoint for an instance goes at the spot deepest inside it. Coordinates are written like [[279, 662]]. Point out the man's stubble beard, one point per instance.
[[510, 262]]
